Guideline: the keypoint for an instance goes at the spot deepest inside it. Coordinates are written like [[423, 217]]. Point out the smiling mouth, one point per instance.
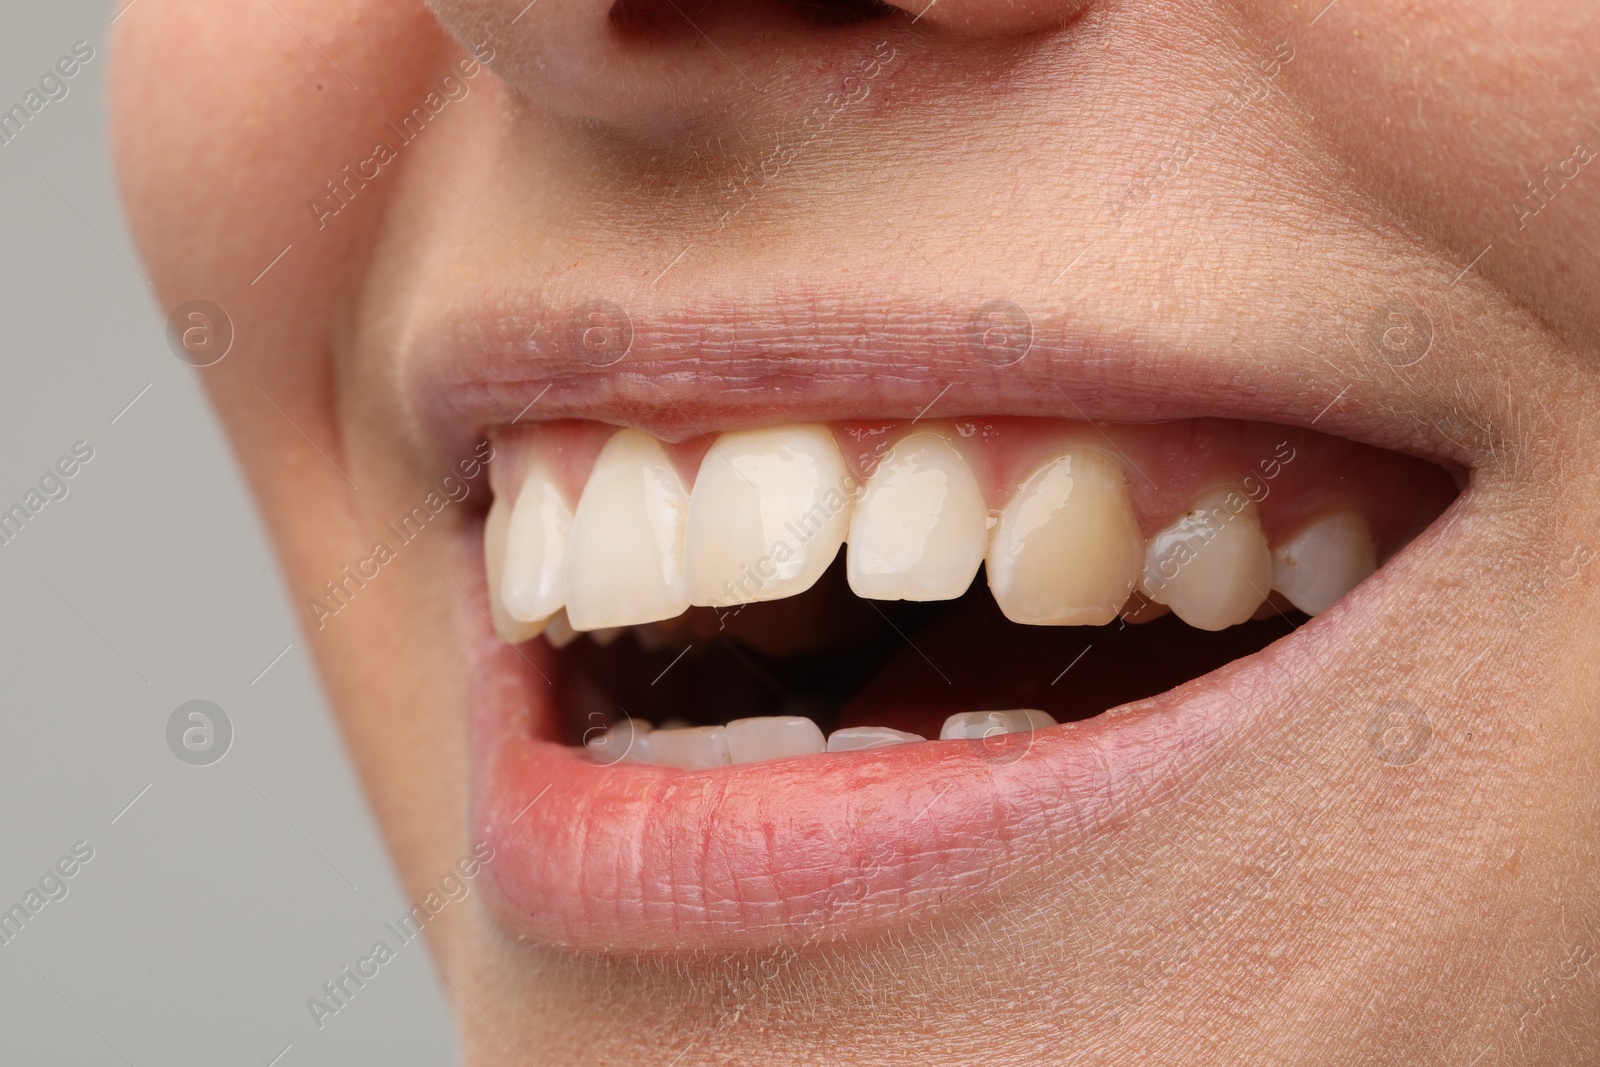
[[829, 588], [766, 648]]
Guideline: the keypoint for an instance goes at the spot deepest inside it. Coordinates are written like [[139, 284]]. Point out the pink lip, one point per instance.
[[631, 858], [688, 373]]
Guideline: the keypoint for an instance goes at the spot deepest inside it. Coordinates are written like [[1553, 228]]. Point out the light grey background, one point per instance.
[[225, 895]]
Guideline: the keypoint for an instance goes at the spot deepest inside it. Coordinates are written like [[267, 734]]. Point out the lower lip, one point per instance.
[[629, 858]]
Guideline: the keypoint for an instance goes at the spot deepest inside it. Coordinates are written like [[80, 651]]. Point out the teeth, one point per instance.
[[626, 560], [495, 527], [752, 740], [624, 742], [1212, 567], [976, 725], [534, 584], [1067, 550], [693, 748], [769, 512], [559, 631], [1138, 609], [921, 527], [773, 737], [861, 738], [1324, 561]]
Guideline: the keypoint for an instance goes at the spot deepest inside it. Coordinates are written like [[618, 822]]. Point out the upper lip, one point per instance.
[[693, 372], [641, 859]]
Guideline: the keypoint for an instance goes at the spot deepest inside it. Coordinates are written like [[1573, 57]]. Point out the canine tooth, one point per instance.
[[627, 741], [559, 632], [511, 630], [921, 527], [862, 738], [625, 564], [1212, 567], [1066, 550], [773, 737], [975, 725], [769, 511], [1324, 561], [692, 748], [534, 585]]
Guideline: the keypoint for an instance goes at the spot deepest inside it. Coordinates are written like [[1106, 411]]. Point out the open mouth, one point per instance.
[[822, 588], [805, 620], [737, 685]]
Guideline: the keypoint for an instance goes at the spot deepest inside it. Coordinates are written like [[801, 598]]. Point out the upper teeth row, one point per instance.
[[771, 508]]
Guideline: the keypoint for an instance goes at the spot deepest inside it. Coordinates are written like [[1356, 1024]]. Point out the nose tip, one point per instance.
[[640, 62]]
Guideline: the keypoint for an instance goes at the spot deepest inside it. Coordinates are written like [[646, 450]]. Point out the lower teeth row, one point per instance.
[[782, 736]]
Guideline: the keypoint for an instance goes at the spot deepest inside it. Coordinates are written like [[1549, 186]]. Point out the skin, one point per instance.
[[1314, 904]]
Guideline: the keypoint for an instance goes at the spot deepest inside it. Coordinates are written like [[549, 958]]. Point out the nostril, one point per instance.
[[638, 20], [649, 67], [647, 19]]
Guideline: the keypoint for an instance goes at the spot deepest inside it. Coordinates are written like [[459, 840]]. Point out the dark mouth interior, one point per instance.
[[646, 19], [844, 661]]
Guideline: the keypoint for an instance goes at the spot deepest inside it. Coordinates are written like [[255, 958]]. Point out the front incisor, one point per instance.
[[921, 526], [769, 511]]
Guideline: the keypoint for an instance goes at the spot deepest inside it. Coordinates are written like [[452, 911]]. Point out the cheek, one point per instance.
[[226, 123], [1445, 115]]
